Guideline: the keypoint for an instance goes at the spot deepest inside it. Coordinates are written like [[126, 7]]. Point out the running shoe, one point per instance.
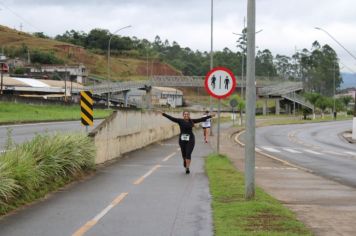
[[187, 171]]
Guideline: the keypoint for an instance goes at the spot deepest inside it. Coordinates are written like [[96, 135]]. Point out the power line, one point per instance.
[[348, 68], [20, 17]]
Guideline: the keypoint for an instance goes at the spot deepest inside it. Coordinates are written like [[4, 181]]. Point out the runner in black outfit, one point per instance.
[[186, 136]]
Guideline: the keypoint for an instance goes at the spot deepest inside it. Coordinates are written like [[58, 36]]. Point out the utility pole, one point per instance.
[[243, 61], [1, 91], [211, 56], [65, 83], [250, 103], [334, 110]]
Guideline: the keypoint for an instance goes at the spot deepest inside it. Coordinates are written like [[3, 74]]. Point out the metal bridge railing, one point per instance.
[[298, 99]]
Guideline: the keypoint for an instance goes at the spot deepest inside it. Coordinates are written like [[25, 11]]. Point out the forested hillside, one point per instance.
[[133, 58]]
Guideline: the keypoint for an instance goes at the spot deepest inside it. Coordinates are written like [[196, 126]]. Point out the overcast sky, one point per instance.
[[288, 25]]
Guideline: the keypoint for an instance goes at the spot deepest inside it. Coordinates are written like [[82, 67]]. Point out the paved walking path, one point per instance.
[[145, 193]]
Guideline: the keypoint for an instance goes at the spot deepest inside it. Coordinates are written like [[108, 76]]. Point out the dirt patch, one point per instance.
[[156, 68], [264, 221]]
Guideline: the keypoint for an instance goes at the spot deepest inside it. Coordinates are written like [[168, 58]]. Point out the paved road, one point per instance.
[[313, 146], [145, 193], [24, 132]]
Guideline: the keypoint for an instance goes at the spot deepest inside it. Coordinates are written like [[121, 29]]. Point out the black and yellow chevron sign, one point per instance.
[[86, 106]]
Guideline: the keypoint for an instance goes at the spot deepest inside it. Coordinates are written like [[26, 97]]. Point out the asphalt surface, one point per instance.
[[315, 146], [145, 193], [24, 132]]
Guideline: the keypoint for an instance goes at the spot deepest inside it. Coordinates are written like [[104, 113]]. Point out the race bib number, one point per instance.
[[185, 137]]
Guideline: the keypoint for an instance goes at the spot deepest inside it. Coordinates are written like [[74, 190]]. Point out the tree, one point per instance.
[[323, 103], [40, 35], [312, 98], [264, 63], [283, 66]]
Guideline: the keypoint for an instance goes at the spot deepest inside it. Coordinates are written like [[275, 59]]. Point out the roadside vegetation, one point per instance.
[[19, 113], [233, 215], [31, 170]]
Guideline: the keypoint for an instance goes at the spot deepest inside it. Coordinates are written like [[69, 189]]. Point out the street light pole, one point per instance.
[[334, 72], [354, 57], [109, 57], [250, 102], [211, 55], [243, 60]]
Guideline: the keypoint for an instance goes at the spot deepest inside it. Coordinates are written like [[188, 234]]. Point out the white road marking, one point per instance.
[[274, 168], [140, 180], [351, 153], [82, 230], [38, 124], [270, 149], [291, 150], [335, 153], [312, 152], [169, 156]]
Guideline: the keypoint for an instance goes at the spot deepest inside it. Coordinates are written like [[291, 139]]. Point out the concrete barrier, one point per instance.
[[128, 130], [125, 131]]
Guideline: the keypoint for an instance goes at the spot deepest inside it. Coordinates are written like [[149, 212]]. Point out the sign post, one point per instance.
[[233, 104], [220, 82]]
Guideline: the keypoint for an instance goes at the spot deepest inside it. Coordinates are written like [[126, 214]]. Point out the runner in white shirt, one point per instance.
[[206, 127]]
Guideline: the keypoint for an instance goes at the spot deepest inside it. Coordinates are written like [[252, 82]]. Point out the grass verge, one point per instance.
[[233, 215], [18, 112], [285, 120], [31, 170]]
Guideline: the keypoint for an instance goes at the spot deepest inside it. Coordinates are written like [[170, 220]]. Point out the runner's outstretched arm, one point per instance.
[[202, 119], [176, 120]]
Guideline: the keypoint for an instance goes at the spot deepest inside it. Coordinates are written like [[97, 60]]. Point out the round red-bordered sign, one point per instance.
[[220, 82]]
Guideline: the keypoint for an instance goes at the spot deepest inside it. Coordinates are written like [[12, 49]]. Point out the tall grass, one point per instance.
[[32, 169], [18, 112]]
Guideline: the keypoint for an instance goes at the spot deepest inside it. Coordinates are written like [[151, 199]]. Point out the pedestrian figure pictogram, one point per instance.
[[226, 82], [213, 81]]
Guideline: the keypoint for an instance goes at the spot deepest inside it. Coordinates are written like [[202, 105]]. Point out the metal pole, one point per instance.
[[218, 138], [250, 103], [65, 83], [1, 86], [211, 58], [243, 62], [108, 95], [334, 111]]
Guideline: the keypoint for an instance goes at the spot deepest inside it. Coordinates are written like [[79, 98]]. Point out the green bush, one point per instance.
[[44, 58], [30, 170]]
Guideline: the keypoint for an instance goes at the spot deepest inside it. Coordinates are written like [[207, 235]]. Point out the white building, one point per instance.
[[162, 96], [78, 71]]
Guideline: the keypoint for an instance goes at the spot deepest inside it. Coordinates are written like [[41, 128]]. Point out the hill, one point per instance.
[[349, 80], [122, 68]]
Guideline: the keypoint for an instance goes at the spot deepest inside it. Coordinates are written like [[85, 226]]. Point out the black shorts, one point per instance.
[[206, 127]]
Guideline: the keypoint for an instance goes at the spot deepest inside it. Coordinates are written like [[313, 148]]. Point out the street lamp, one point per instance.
[[243, 60], [211, 57], [109, 55], [354, 57]]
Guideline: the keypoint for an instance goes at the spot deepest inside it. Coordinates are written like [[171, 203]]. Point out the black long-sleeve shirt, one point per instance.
[[186, 127]]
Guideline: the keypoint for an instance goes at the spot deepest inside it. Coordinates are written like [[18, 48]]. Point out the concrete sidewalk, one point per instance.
[[325, 206]]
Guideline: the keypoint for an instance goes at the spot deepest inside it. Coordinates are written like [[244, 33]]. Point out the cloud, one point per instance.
[[287, 25]]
